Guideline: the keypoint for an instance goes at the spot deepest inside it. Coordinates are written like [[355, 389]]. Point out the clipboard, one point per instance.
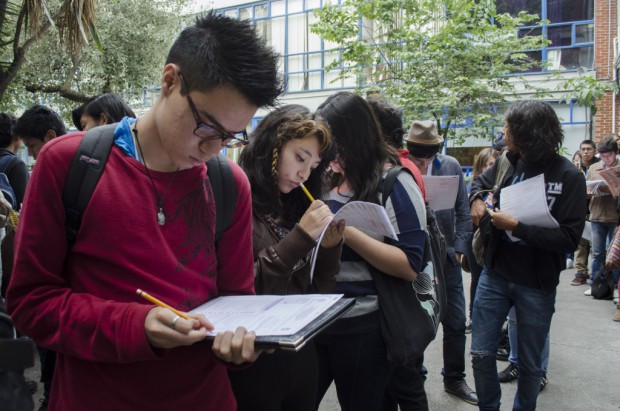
[[296, 341]]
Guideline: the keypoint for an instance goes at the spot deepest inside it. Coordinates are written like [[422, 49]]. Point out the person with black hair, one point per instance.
[[11, 165], [288, 148], [150, 224], [390, 119], [37, 126], [525, 273], [106, 108], [352, 353]]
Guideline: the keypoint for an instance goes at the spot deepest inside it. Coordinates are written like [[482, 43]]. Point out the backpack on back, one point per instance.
[[88, 165], [410, 312], [5, 185]]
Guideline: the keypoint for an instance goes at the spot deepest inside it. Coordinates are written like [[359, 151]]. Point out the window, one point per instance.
[[285, 25], [570, 31]]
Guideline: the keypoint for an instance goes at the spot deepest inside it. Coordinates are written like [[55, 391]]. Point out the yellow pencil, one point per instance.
[[303, 187], [160, 303]]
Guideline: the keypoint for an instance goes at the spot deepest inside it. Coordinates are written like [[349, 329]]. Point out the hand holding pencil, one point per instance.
[[166, 327]]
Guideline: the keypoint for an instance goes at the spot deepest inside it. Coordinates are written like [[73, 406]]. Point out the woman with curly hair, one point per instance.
[[288, 148]]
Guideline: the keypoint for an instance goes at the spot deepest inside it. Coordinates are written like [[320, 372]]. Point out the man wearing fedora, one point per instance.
[[424, 143]]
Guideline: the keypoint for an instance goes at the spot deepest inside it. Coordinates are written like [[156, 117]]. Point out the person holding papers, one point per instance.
[[288, 148], [150, 225], [524, 273], [424, 143], [352, 352], [603, 208]]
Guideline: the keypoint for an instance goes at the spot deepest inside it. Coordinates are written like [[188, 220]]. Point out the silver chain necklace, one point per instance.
[[161, 217]]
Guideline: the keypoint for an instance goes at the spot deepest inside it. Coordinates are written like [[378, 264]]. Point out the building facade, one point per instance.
[[583, 42]]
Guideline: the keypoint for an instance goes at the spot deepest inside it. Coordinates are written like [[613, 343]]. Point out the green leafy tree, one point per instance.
[[23, 23], [134, 36], [446, 61]]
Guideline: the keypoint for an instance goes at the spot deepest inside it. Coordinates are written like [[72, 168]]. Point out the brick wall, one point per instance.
[[605, 27]]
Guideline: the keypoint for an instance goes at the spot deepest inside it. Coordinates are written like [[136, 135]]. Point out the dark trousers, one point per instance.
[[406, 388], [454, 326], [475, 269], [280, 381], [358, 365]]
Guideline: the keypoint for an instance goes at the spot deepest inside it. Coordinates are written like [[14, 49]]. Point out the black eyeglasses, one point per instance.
[[213, 131]]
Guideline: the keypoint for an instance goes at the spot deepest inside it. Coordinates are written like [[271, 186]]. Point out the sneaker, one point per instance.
[[617, 314], [616, 296], [502, 354], [510, 373], [468, 327], [569, 263], [588, 292], [580, 278], [543, 382], [461, 390]]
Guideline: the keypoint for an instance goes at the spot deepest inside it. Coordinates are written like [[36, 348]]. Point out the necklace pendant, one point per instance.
[[161, 217]]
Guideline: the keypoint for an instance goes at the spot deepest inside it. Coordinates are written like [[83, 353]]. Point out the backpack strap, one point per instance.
[[390, 179], [84, 174], [502, 170], [222, 182]]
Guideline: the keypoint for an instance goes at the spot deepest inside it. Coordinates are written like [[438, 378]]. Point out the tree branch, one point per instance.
[[63, 91]]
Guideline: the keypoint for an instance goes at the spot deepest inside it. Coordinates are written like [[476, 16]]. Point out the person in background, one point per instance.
[[603, 210], [11, 165], [587, 151], [570, 257], [150, 225], [288, 148], [106, 108], [482, 162], [391, 121], [352, 352], [424, 143], [525, 273], [37, 126]]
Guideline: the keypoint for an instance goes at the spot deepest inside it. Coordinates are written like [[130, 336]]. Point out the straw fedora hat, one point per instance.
[[424, 133]]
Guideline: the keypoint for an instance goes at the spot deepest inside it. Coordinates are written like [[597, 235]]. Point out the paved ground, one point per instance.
[[583, 365], [584, 361]]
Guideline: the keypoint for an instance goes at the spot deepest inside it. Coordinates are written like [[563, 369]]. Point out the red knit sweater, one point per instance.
[[82, 302]]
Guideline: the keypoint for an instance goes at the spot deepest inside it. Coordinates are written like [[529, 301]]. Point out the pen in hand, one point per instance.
[[160, 303], [303, 187]]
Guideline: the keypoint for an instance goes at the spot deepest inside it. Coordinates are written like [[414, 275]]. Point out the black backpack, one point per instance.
[[410, 312], [88, 165], [603, 285], [435, 250]]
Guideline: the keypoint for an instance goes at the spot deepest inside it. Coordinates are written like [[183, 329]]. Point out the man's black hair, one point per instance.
[[7, 124], [535, 129], [390, 118], [608, 145], [76, 113], [218, 51], [589, 142], [36, 121]]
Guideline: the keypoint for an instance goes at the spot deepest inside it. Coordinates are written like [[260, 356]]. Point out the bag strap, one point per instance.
[[84, 174], [390, 180], [223, 187], [502, 170]]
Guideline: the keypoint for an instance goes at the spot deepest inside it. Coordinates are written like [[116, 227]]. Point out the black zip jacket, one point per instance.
[[537, 260]]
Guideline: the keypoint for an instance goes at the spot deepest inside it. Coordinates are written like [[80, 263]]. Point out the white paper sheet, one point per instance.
[[441, 191], [527, 202], [265, 314], [363, 216], [587, 231]]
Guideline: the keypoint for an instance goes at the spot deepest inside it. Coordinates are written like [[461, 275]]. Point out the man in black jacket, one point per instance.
[[524, 274]]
